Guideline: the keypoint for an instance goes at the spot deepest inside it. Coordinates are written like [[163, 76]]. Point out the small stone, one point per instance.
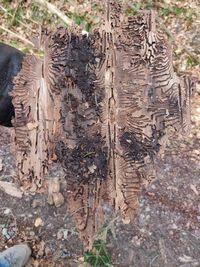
[[7, 211], [92, 168], [60, 234], [39, 222], [65, 234], [11, 189], [54, 195], [198, 135], [58, 199], [196, 151], [41, 249], [5, 233], [32, 233], [185, 259], [50, 199], [36, 203], [171, 232], [54, 185], [147, 209], [174, 226], [65, 254], [47, 251], [1, 165], [153, 187], [136, 241], [198, 88]]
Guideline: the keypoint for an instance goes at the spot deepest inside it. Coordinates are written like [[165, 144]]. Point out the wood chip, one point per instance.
[[11, 189], [58, 199]]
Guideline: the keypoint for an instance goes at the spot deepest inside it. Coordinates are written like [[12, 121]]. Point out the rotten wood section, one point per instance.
[[105, 105], [37, 112]]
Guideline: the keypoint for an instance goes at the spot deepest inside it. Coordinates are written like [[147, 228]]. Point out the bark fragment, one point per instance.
[[36, 122], [105, 103]]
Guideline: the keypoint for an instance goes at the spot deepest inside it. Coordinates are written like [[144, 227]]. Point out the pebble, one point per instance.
[[196, 151], [54, 185], [198, 135], [32, 233], [60, 234], [36, 203], [38, 222], [5, 233], [7, 211], [58, 199], [1, 165], [47, 251], [54, 195], [136, 241], [65, 254]]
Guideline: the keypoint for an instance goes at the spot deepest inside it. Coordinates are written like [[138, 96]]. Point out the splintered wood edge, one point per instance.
[[36, 122], [24, 97]]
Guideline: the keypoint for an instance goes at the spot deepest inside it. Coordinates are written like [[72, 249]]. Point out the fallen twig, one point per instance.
[[17, 36]]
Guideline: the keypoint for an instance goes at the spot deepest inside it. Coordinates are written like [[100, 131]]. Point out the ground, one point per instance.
[[166, 230]]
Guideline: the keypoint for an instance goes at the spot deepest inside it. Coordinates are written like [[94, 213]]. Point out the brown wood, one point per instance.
[[105, 105]]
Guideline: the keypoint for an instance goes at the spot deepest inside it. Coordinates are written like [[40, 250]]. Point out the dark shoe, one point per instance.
[[16, 256]]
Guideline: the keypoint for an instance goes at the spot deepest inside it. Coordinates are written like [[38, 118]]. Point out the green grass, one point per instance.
[[164, 10], [98, 256], [192, 61]]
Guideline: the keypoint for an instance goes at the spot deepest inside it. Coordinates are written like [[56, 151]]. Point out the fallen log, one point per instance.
[[103, 105]]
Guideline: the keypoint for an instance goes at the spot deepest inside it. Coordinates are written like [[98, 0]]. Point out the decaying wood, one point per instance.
[[36, 119], [105, 104]]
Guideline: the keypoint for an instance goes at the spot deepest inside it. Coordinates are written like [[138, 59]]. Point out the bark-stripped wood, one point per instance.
[[113, 97], [37, 114]]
